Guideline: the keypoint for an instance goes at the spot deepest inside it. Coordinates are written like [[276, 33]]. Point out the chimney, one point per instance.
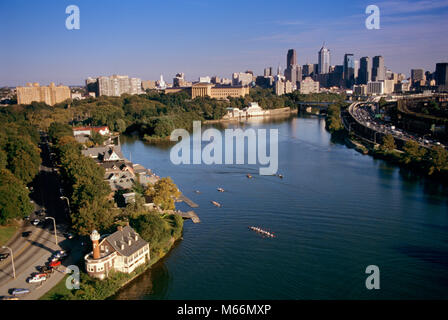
[[119, 228]]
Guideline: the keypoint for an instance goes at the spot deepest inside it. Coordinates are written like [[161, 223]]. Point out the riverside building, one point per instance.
[[122, 251]]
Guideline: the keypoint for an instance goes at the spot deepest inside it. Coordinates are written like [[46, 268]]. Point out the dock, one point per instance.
[[188, 201], [189, 215]]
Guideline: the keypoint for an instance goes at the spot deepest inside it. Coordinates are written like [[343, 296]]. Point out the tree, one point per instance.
[[93, 215], [3, 159], [58, 130], [388, 144], [163, 193], [14, 199], [97, 138], [438, 159], [154, 229], [23, 158], [413, 152]]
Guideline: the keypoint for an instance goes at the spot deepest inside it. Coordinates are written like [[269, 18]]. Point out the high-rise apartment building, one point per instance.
[[324, 60], [51, 95], [378, 70], [364, 70], [349, 70], [116, 85]]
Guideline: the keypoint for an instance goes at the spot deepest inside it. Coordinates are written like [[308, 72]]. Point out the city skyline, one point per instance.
[[132, 39]]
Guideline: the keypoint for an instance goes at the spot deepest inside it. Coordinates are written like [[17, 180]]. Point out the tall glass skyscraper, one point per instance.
[[364, 70], [378, 71], [324, 60], [349, 70]]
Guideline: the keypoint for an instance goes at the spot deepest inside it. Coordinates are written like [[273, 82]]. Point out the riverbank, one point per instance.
[[271, 114]]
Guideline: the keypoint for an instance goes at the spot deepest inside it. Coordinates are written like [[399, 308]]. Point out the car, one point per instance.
[[68, 235], [45, 269], [54, 264], [35, 222], [40, 213], [26, 218], [26, 234], [36, 279], [3, 256], [9, 298], [20, 291]]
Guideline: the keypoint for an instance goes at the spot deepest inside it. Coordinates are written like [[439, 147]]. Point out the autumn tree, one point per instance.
[[438, 159], [388, 144], [413, 152], [163, 193]]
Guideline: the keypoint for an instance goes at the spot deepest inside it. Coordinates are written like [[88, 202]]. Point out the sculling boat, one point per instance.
[[216, 204], [262, 232]]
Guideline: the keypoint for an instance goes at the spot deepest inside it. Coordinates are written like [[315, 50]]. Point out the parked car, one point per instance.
[[40, 213], [68, 235], [20, 291], [3, 256], [45, 269], [35, 222], [37, 279], [54, 264]]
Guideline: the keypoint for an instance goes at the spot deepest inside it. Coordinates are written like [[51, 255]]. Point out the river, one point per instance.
[[335, 212]]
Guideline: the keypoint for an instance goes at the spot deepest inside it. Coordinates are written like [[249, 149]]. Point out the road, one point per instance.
[[364, 115], [34, 250]]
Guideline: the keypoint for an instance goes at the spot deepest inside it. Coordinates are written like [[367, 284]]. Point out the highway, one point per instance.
[[364, 115]]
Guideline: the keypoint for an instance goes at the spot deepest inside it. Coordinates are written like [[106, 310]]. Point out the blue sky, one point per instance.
[[144, 38]]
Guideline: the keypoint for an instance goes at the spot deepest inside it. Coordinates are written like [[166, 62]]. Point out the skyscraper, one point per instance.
[[291, 58], [324, 60], [349, 70], [364, 70], [378, 71], [442, 74], [293, 72], [417, 76]]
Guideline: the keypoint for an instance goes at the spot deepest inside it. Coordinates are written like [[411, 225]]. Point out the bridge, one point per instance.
[[321, 105]]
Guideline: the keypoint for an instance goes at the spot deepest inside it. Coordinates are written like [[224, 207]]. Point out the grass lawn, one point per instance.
[[58, 290], [6, 233]]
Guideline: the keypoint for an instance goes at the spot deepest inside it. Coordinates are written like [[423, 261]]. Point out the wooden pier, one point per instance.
[[189, 215], [189, 202]]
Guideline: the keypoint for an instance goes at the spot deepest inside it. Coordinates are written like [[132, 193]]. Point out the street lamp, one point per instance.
[[68, 202], [55, 232], [12, 260]]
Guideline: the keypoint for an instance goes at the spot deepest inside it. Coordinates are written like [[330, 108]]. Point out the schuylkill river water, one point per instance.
[[335, 212]]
